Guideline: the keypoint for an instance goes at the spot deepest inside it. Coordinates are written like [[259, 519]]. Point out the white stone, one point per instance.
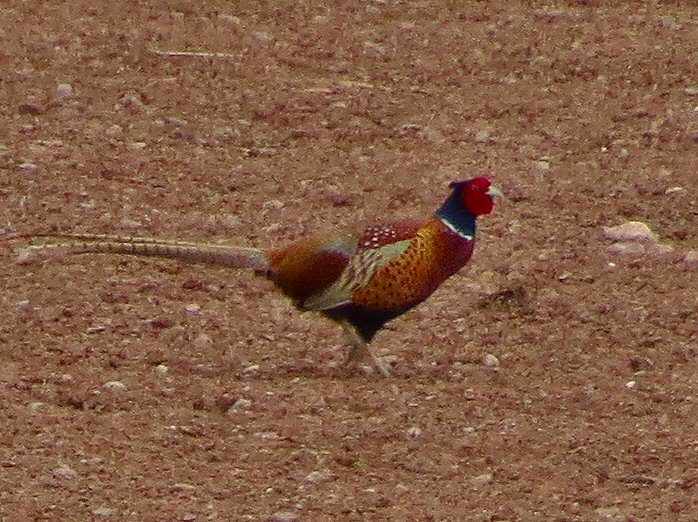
[[252, 369], [273, 204], [316, 476], [482, 136], [114, 386], [28, 167], [490, 360], [102, 511], [482, 480], [192, 308], [65, 473], [414, 432], [240, 404], [635, 231], [691, 258], [64, 91]]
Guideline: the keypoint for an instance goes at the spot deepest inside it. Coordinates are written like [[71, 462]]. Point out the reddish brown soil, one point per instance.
[[584, 112]]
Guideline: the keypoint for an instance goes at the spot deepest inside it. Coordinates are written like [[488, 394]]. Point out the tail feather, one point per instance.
[[209, 253]]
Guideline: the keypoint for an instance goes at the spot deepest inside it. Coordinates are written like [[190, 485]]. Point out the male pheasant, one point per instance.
[[360, 280]]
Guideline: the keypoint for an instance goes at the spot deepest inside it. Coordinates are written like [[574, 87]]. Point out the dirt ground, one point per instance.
[[554, 378]]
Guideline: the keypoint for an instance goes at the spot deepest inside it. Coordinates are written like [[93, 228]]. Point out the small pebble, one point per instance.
[[691, 258], [414, 432], [273, 204], [183, 486], [316, 476], [114, 386], [669, 22], [206, 368], [482, 136], [336, 197], [28, 167], [543, 164], [284, 516], [161, 369], [252, 369], [239, 405], [482, 480], [23, 305], [631, 231], [229, 221], [64, 91], [102, 511], [274, 228], [490, 360], [202, 341], [610, 514], [136, 145], [60, 378], [114, 130], [192, 308], [64, 473]]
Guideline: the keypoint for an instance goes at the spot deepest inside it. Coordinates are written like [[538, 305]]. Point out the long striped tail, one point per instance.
[[58, 245]]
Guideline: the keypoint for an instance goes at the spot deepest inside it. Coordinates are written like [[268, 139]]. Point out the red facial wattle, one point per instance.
[[476, 196]]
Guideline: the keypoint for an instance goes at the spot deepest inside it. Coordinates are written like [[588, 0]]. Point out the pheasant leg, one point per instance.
[[360, 350]]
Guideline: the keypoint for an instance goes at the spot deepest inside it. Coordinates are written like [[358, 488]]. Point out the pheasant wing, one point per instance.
[[376, 248]]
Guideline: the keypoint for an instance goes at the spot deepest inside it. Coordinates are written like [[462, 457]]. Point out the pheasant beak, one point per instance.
[[494, 191]]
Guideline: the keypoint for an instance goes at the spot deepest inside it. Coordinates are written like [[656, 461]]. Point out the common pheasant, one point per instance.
[[360, 280]]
